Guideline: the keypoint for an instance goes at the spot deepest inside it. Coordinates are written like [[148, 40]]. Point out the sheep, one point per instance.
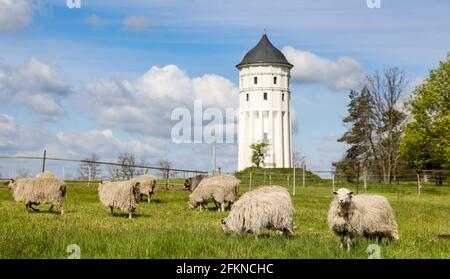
[[192, 182], [123, 195], [267, 207], [46, 174], [230, 184], [205, 193], [147, 185], [361, 215], [36, 191]]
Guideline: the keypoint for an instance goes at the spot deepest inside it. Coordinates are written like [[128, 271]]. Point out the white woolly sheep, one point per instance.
[[192, 182], [267, 207], [46, 174], [205, 193], [230, 184], [147, 185], [123, 195], [36, 191], [361, 215]]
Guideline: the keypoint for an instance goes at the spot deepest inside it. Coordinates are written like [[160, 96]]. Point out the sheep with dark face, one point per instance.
[[192, 182], [363, 215]]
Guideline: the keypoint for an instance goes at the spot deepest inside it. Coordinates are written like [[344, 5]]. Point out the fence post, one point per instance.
[[334, 189], [304, 167], [265, 178], [287, 178], [270, 179], [293, 182], [365, 181], [418, 183], [250, 183], [43, 160]]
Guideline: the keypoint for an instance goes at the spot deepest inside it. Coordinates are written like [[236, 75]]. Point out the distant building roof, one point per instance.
[[264, 52]]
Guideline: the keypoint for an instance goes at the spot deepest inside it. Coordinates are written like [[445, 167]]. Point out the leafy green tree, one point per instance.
[[426, 144], [259, 152]]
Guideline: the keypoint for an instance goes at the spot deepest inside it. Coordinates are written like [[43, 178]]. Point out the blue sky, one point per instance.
[[86, 63]]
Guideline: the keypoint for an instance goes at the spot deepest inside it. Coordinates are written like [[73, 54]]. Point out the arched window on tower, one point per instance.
[[255, 80], [274, 80], [265, 96]]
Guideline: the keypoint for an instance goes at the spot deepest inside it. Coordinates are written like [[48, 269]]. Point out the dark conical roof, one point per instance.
[[264, 52]]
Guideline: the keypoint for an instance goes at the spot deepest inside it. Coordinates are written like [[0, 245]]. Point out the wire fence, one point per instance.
[[72, 171]]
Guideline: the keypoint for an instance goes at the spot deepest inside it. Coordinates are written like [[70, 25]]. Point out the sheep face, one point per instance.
[[224, 226], [12, 184], [343, 196], [187, 183]]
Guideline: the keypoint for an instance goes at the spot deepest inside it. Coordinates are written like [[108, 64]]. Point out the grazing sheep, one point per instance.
[[192, 183], [36, 191], [46, 174], [361, 215], [147, 185], [205, 193], [230, 184], [267, 207], [123, 195]]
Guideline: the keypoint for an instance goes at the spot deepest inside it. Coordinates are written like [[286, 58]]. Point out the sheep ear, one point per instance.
[[223, 221], [334, 193], [351, 193]]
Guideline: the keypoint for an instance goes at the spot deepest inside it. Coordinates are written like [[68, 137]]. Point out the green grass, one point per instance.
[[166, 228]]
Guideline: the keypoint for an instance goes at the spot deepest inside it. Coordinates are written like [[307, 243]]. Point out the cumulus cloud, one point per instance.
[[18, 137], [95, 20], [105, 144], [136, 23], [15, 14], [342, 74], [144, 106], [36, 86]]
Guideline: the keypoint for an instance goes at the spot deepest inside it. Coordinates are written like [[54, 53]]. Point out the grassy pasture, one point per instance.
[[166, 228]]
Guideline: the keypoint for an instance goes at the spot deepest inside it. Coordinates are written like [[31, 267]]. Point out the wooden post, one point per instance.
[[293, 182], [334, 188], [304, 172], [287, 178], [264, 177], [365, 181], [250, 183], [418, 183], [43, 160], [270, 179]]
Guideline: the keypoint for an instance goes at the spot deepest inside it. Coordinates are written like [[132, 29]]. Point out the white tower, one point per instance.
[[265, 105]]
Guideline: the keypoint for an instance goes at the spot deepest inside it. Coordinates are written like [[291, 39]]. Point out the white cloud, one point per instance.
[[136, 23], [15, 14], [18, 137], [345, 73], [144, 106], [95, 20], [106, 144], [36, 86]]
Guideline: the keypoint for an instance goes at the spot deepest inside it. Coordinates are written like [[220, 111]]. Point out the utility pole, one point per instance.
[[214, 154]]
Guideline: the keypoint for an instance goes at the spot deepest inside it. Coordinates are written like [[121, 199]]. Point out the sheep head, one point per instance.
[[343, 196], [224, 225], [188, 183]]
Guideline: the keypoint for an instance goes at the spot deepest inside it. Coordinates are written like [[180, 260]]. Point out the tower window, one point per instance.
[[247, 97], [265, 96], [274, 80], [282, 97], [255, 80], [266, 136]]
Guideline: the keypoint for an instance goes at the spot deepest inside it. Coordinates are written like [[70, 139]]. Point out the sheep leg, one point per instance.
[[112, 211], [148, 198], [51, 208], [34, 209], [130, 215], [222, 207], [349, 243]]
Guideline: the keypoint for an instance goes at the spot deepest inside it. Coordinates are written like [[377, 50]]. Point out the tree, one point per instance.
[[165, 166], [126, 168], [426, 144], [89, 169], [359, 136], [142, 171], [259, 152]]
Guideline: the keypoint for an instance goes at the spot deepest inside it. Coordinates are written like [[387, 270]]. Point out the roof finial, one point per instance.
[[264, 31]]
